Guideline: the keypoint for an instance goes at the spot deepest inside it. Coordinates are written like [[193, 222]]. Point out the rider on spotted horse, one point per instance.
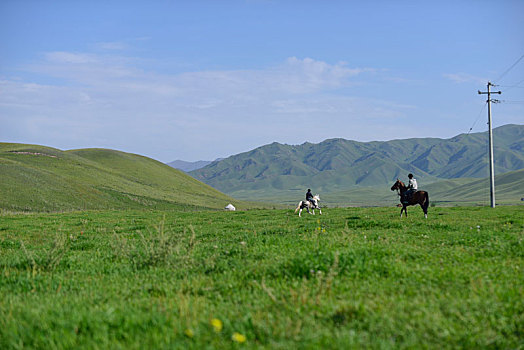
[[309, 197], [412, 188]]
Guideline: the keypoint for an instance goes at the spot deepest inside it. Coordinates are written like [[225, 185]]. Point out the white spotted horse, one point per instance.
[[313, 204]]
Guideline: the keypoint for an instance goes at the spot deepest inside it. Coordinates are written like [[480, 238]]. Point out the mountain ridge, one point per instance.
[[338, 164]]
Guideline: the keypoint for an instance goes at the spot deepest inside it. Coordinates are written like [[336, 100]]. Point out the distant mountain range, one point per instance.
[[190, 166], [38, 178], [339, 165]]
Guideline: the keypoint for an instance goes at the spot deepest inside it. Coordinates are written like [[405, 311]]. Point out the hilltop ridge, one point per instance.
[[39, 178]]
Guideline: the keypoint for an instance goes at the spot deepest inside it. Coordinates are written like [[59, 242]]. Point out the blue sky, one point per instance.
[[198, 80]]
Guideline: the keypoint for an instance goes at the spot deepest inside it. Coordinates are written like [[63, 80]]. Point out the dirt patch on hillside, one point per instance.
[[33, 153]]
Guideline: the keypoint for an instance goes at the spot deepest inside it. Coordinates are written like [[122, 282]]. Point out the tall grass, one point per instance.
[[351, 278]]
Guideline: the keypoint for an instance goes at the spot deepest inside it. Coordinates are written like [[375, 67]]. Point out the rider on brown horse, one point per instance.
[[417, 197]]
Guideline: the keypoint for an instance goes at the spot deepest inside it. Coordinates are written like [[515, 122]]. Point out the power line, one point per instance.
[[512, 102], [480, 113], [510, 68], [514, 85]]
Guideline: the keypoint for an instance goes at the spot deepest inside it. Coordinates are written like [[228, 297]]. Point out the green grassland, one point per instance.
[[351, 278], [38, 178]]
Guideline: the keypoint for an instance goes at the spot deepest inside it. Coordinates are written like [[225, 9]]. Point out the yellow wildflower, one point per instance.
[[239, 338], [217, 324], [189, 333]]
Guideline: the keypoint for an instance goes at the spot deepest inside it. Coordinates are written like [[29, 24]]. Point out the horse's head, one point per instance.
[[316, 197], [398, 185]]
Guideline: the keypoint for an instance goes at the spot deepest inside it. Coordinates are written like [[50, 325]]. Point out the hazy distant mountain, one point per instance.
[[189, 166], [339, 164]]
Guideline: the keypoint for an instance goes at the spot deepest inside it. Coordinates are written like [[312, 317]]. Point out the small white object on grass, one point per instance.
[[230, 207]]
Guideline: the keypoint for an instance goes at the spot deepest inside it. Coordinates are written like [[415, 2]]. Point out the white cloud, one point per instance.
[[294, 76], [107, 101], [460, 78], [69, 57], [112, 45]]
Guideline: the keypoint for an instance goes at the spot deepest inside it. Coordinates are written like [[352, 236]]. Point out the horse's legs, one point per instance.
[[320, 211], [404, 209], [426, 205], [425, 211], [300, 212]]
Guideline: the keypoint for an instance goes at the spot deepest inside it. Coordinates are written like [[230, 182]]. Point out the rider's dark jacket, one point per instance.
[[309, 196]]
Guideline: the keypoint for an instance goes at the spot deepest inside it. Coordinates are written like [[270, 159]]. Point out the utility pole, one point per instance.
[[491, 162]]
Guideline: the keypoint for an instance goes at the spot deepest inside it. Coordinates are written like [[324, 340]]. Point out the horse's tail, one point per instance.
[[426, 203], [298, 207]]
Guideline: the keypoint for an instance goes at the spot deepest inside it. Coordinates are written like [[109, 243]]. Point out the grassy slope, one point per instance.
[[352, 278], [96, 179], [509, 188]]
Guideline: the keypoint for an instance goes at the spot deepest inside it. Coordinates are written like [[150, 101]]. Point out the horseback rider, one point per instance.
[[412, 188], [309, 197]]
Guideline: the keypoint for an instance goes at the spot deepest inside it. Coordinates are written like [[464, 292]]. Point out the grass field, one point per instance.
[[351, 278]]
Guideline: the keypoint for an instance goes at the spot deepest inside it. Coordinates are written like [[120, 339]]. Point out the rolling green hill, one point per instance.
[[37, 178], [509, 188], [333, 166]]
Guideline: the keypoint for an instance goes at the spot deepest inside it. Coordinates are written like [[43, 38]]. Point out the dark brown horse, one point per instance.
[[419, 197]]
